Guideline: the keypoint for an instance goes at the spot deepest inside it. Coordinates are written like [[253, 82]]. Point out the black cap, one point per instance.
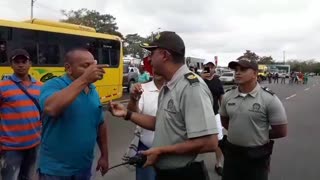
[[19, 52], [167, 40], [244, 62]]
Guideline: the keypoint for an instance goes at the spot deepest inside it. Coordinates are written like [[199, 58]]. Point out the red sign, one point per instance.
[[147, 65], [216, 60]]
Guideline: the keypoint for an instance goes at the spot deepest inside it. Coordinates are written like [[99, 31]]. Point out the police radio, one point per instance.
[[137, 161]]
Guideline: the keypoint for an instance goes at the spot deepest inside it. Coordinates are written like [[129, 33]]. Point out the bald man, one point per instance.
[[73, 121]]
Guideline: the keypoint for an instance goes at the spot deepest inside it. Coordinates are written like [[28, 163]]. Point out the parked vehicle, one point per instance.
[[130, 76], [227, 77]]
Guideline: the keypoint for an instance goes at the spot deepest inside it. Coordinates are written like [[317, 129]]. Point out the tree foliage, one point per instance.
[[103, 23], [249, 55], [266, 60], [132, 45], [304, 66]]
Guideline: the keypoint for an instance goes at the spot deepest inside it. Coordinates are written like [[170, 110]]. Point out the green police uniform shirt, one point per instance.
[[251, 116], [184, 112]]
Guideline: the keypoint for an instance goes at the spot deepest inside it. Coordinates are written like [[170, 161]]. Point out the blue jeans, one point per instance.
[[18, 164], [144, 173], [84, 175]]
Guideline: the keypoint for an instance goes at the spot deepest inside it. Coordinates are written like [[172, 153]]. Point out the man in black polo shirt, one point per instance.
[[216, 88]]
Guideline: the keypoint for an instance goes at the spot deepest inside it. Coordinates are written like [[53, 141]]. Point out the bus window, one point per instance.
[[110, 53], [4, 33], [72, 41], [25, 39], [3, 52], [49, 52]]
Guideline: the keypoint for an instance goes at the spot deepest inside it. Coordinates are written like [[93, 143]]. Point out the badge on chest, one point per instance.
[[170, 106], [256, 107]]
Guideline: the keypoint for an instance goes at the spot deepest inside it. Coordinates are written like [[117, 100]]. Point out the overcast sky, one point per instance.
[[209, 27]]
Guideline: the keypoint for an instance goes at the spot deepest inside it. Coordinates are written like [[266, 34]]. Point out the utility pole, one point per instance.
[[284, 57], [32, 4]]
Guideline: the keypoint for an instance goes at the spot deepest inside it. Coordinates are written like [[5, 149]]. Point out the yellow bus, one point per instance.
[[47, 42]]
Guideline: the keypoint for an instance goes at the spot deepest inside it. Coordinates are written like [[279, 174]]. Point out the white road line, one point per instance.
[[307, 89], [291, 96]]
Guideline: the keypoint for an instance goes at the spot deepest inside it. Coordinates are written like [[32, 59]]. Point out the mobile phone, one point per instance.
[[206, 70]]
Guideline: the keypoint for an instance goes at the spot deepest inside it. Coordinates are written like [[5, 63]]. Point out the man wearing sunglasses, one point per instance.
[[183, 125], [248, 112]]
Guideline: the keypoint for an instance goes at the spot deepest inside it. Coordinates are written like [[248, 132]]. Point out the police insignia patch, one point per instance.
[[192, 78], [170, 105], [256, 107]]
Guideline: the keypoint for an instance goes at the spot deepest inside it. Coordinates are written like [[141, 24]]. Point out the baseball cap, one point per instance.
[[167, 40], [209, 61], [244, 62], [19, 52]]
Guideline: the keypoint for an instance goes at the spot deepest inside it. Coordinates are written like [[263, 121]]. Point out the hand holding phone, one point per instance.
[[206, 70]]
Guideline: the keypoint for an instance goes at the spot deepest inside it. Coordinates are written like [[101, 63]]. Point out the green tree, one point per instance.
[[132, 45], [103, 23], [249, 55], [265, 60]]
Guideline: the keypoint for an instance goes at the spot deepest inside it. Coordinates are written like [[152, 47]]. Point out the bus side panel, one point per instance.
[[108, 88]]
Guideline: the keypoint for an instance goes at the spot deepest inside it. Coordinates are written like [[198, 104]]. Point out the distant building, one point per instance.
[[195, 62]]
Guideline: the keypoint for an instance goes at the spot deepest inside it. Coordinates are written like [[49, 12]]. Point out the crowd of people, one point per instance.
[[294, 78]]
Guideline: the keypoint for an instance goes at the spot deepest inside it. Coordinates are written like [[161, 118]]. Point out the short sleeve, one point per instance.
[[276, 112], [222, 110], [198, 112], [101, 120], [48, 89]]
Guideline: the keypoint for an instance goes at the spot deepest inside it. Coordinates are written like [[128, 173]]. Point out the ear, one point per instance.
[[67, 68], [166, 57]]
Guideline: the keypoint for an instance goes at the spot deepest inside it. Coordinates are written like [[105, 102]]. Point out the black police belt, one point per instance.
[[194, 170], [256, 152]]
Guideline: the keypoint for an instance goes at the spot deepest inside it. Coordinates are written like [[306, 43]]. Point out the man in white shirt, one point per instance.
[[144, 99]]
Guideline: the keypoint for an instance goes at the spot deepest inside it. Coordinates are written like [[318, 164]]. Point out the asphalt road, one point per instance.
[[294, 158]]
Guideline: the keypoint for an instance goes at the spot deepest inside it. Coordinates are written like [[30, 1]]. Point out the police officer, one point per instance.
[[247, 112], [183, 125]]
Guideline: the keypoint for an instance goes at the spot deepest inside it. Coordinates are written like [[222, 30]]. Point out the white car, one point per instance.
[[227, 78]]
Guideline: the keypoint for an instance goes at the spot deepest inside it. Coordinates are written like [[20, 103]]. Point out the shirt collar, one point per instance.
[[15, 78], [68, 80], [177, 75], [253, 93]]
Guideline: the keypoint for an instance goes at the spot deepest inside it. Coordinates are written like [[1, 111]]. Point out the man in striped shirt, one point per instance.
[[20, 120]]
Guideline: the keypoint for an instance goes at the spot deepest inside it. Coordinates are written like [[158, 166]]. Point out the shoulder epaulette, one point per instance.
[[268, 90], [192, 78], [233, 87]]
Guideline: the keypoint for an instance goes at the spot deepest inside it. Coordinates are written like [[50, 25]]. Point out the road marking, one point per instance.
[[291, 96], [307, 89]]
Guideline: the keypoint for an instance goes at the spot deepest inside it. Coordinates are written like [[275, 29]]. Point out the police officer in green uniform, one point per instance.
[[183, 125], [253, 116]]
